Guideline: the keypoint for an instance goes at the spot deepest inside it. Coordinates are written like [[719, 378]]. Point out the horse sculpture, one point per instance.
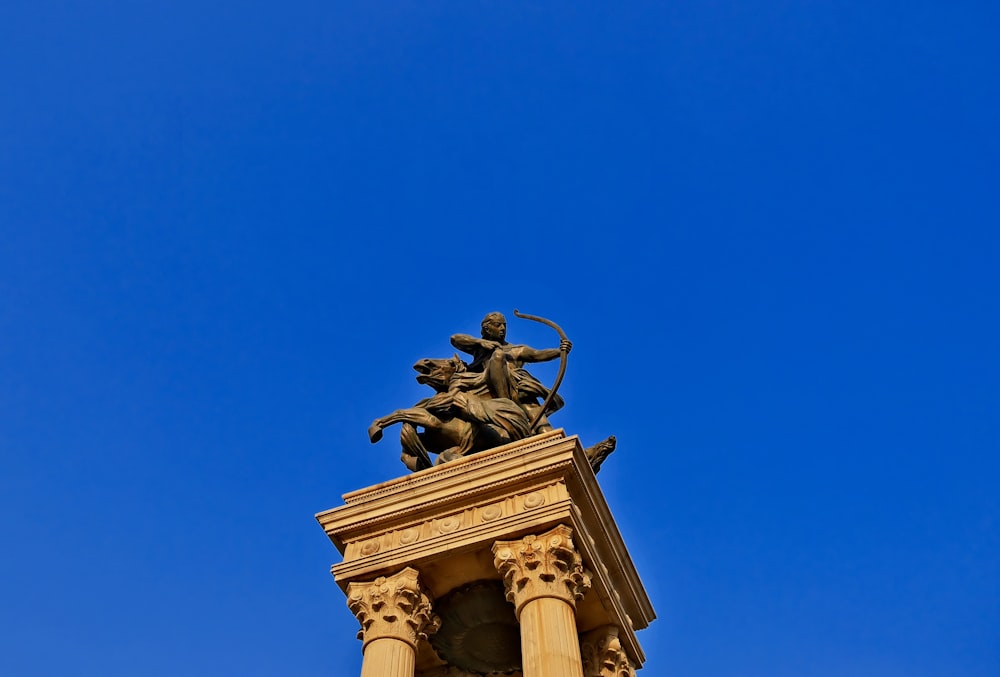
[[459, 419]]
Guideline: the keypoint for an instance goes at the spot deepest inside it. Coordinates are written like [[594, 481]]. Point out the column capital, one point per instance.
[[603, 655], [395, 607], [542, 565]]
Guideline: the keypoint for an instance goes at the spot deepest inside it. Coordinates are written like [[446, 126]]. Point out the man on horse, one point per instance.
[[503, 366], [476, 407]]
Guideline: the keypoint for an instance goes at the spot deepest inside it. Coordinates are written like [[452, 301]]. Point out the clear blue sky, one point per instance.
[[227, 229]]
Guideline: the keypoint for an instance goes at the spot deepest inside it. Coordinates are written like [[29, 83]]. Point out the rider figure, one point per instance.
[[503, 365]]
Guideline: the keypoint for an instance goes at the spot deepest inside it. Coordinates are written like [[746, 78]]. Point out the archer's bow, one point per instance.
[[563, 357]]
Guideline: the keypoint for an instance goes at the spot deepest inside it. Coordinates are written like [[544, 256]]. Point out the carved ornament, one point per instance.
[[544, 565], [603, 655], [393, 607], [447, 525]]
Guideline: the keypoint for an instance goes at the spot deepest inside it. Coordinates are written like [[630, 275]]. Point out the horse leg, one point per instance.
[[415, 455], [463, 434]]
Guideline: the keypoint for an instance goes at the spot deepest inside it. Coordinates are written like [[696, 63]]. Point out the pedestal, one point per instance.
[[517, 555]]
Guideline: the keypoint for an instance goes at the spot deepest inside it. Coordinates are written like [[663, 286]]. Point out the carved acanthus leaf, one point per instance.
[[544, 565], [395, 606]]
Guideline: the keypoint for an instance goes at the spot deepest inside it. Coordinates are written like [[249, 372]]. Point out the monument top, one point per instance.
[[463, 524], [488, 402]]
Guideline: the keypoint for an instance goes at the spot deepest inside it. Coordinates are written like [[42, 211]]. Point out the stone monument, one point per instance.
[[498, 555]]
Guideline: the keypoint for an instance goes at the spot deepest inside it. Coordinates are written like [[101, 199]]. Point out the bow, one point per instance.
[[563, 357]]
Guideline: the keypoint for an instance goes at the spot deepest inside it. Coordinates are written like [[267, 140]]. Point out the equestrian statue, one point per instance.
[[483, 404]]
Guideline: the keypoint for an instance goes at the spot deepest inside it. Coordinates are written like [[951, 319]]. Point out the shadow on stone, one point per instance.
[[479, 631]]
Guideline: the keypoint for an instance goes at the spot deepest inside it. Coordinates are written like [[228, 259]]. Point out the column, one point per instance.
[[603, 655], [395, 613], [544, 577]]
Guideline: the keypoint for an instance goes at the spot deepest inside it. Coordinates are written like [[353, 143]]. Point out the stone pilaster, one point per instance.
[[395, 613], [544, 578], [603, 655]]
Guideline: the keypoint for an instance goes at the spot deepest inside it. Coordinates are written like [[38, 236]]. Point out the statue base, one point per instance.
[[447, 523]]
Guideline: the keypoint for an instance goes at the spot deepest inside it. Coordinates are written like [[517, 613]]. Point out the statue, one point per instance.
[[502, 363], [457, 420], [484, 404]]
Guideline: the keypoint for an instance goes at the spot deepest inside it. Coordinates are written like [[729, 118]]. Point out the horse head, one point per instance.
[[437, 373]]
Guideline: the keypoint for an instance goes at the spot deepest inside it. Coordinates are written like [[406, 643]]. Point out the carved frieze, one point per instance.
[[543, 565], [446, 525], [392, 606]]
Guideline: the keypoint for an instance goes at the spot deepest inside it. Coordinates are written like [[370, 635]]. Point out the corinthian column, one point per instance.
[[544, 577], [395, 613]]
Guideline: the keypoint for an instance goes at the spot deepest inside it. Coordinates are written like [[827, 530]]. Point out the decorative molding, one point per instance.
[[603, 655], [409, 536], [461, 466], [393, 606], [534, 500], [451, 498], [491, 512], [445, 525], [543, 565], [449, 525]]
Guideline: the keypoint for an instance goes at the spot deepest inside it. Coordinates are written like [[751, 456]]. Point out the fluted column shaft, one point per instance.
[[544, 578], [388, 657], [549, 643], [395, 613]]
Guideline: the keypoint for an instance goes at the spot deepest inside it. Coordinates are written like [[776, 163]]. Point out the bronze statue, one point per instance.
[[485, 404], [503, 365], [456, 421]]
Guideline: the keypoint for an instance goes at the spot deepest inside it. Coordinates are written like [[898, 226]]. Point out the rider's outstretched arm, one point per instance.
[[466, 343], [529, 354]]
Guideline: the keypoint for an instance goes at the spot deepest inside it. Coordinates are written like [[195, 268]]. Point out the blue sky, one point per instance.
[[227, 229]]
